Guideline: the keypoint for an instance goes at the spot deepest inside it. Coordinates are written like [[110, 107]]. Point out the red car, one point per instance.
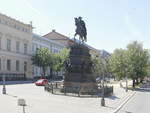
[[41, 82]]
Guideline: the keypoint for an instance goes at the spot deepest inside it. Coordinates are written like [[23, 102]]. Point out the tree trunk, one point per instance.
[[137, 81], [133, 83], [43, 75], [141, 80], [51, 72], [126, 84]]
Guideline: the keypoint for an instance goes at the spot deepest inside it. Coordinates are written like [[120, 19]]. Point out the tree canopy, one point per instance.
[[118, 63], [45, 58], [41, 58], [132, 62]]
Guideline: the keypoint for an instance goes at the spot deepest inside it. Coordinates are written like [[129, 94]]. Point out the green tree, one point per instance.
[[132, 62], [148, 71], [138, 58], [60, 58], [51, 62], [41, 58], [96, 69], [100, 66], [118, 63]]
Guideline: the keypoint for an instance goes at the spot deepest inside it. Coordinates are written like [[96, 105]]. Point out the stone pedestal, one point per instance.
[[79, 68]]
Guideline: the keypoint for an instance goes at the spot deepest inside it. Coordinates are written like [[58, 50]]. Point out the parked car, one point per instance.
[[41, 82]]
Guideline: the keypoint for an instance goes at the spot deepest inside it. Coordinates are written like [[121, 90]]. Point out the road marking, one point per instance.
[[128, 98]]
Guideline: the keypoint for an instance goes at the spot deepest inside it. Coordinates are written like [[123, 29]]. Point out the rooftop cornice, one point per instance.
[[14, 20]]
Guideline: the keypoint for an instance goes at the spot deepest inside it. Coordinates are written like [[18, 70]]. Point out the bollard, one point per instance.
[[52, 88], [21, 102], [56, 84], [64, 90], [79, 93]]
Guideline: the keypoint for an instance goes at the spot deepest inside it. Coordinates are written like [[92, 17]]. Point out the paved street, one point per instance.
[[140, 103], [39, 101]]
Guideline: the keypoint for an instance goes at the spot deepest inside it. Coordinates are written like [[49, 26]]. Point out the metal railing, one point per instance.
[[78, 89], [12, 76]]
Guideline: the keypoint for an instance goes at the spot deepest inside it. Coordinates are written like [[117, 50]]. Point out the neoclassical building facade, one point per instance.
[[15, 47]]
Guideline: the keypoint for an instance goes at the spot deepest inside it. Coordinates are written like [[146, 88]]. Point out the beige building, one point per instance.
[[15, 47]]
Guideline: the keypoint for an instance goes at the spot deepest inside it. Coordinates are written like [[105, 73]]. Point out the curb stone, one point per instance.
[[125, 101]]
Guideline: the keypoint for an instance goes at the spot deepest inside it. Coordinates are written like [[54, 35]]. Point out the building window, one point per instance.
[[0, 64], [36, 71], [40, 46], [17, 46], [8, 65], [33, 70], [32, 47], [25, 66], [8, 44], [17, 65], [25, 48]]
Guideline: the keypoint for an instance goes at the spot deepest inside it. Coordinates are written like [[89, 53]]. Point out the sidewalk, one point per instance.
[[16, 82], [39, 101], [120, 95]]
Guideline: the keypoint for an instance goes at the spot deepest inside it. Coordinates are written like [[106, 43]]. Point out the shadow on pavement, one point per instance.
[[12, 95], [128, 112], [113, 97], [143, 89]]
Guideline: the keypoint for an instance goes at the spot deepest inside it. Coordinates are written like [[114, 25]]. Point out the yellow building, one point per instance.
[[15, 47]]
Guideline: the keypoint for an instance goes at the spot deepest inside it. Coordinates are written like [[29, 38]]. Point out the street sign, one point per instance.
[[21, 102]]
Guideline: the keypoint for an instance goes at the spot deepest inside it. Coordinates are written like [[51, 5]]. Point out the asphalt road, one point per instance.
[[139, 103]]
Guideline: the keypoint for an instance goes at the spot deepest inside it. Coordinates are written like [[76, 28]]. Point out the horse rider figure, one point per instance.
[[80, 29]]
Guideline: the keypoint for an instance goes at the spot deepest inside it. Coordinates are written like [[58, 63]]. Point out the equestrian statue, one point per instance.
[[80, 29]]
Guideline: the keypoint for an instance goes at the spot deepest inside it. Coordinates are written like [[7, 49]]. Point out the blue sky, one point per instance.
[[110, 24]]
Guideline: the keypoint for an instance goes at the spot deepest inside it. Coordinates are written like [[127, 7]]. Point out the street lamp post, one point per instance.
[[103, 88], [103, 93], [126, 83], [126, 77], [4, 87], [3, 76]]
